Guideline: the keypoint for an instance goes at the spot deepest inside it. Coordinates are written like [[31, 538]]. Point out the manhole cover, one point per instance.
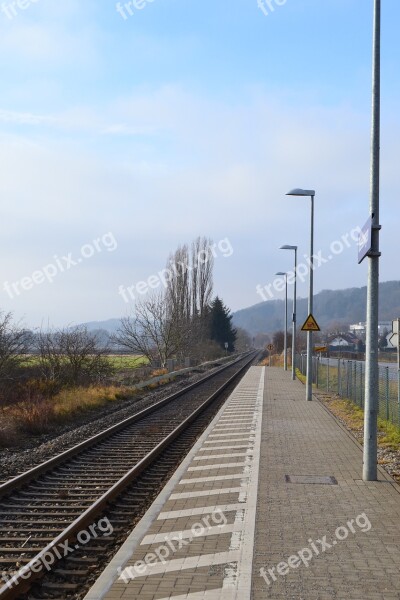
[[319, 479]]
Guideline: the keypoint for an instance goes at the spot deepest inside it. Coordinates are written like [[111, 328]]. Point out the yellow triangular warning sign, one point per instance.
[[310, 324]]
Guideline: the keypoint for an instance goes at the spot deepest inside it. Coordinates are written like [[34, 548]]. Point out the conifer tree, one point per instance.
[[221, 329]]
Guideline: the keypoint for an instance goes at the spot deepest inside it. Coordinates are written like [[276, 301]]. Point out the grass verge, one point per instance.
[[352, 417], [39, 415]]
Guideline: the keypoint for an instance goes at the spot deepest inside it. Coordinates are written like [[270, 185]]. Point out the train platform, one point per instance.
[[269, 503]]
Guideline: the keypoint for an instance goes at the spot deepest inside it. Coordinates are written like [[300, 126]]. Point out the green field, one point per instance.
[[127, 361], [118, 361]]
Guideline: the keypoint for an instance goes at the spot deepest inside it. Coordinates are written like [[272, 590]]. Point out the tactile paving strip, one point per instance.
[[198, 544]]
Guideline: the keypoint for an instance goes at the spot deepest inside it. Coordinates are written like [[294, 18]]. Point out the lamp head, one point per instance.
[[280, 273], [288, 247], [301, 192]]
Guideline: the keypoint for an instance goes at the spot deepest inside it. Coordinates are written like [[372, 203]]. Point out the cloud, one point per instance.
[[20, 118], [159, 166]]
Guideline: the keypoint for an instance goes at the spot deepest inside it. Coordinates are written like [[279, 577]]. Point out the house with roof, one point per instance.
[[346, 342]]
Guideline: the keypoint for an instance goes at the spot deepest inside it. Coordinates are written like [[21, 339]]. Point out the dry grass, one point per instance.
[[8, 434], [277, 360], [348, 412], [391, 435], [34, 416], [353, 417], [300, 376], [70, 402], [39, 414], [159, 372]]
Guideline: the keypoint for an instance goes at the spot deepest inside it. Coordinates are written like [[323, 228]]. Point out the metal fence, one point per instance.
[[347, 379]]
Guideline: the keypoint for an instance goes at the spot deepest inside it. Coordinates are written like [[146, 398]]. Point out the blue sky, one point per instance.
[[187, 118]]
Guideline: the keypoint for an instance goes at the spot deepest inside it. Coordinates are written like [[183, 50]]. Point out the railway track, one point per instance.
[[60, 518]]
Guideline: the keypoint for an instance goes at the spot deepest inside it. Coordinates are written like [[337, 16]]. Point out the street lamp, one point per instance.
[[285, 342], [370, 450], [288, 247], [311, 193]]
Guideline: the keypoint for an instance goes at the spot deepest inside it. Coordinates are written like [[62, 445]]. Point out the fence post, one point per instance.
[[327, 376], [398, 397], [355, 383], [317, 371], [339, 379], [361, 386], [387, 394]]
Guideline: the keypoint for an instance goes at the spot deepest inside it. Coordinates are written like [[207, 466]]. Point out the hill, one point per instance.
[[331, 308], [111, 325]]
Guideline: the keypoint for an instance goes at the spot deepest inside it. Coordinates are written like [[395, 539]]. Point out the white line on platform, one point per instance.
[[233, 426], [235, 423], [212, 448], [247, 411], [220, 466], [215, 478], [244, 580], [180, 564], [202, 510], [227, 593], [157, 538], [232, 455], [242, 438], [201, 493], [236, 433]]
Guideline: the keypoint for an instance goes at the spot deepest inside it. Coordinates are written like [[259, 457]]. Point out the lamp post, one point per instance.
[[285, 338], [288, 247], [311, 193], [370, 471]]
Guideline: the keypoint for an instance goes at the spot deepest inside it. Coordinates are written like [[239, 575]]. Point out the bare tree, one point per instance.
[[48, 347], [178, 285], [278, 341], [72, 356], [174, 323], [156, 330], [243, 340], [14, 344], [202, 260]]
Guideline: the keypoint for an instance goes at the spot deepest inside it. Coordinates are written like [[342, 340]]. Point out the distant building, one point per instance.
[[360, 329], [342, 341]]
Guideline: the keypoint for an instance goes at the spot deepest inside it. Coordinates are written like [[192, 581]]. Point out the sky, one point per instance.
[[129, 129]]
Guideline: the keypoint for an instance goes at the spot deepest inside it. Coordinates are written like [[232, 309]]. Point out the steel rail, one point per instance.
[[22, 581], [23, 478]]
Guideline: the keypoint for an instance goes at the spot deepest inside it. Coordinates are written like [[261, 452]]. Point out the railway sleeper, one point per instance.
[[57, 495], [72, 572], [78, 481], [30, 530], [56, 502], [63, 514], [10, 562], [80, 560], [23, 538], [60, 586], [21, 551]]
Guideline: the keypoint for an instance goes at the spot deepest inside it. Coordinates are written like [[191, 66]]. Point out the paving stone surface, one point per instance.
[[298, 522], [359, 520]]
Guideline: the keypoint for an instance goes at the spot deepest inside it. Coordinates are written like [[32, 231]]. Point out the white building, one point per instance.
[[359, 329]]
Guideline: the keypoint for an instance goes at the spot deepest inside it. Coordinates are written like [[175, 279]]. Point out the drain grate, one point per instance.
[[311, 479]]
